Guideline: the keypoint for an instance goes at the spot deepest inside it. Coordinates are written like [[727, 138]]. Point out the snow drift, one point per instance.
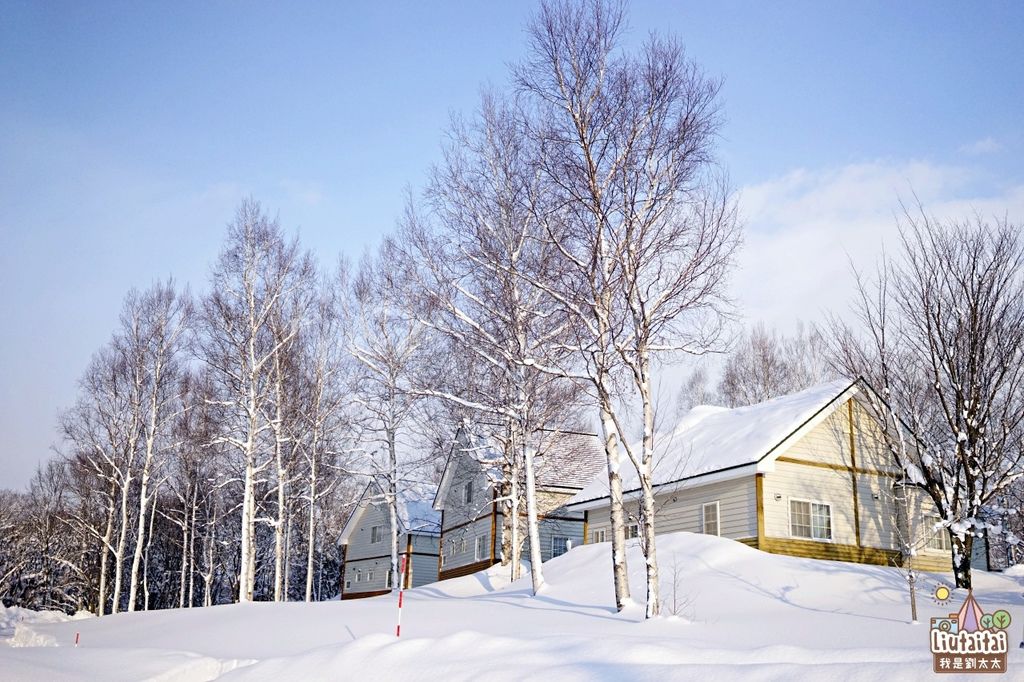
[[739, 613]]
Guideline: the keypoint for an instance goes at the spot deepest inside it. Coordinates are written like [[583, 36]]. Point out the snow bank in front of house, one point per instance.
[[743, 614]]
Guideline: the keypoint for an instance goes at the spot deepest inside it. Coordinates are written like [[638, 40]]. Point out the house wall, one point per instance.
[[855, 476], [356, 580], [359, 545], [681, 510], [422, 559]]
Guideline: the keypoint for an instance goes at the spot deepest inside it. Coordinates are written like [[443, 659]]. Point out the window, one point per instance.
[[387, 580], [940, 536], [348, 584], [376, 534], [482, 550], [359, 576], [369, 576], [709, 514], [467, 493], [599, 536], [462, 545], [812, 520], [559, 545], [632, 531]]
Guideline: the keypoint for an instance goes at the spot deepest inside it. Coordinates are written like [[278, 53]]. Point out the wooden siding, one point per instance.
[[465, 469], [468, 569], [455, 554], [379, 566], [681, 510], [856, 476], [359, 545]]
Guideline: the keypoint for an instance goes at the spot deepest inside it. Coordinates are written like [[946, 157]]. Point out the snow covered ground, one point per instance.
[[747, 615]]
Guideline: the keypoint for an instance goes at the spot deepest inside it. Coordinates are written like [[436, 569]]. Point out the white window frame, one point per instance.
[[632, 531], [348, 583], [600, 535], [480, 549], [387, 579], [467, 493], [359, 575], [369, 575], [939, 539], [462, 545], [810, 508], [378, 533], [704, 518], [565, 540]]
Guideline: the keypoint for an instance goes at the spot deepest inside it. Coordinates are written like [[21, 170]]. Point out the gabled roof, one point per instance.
[[719, 443], [564, 459], [415, 514]]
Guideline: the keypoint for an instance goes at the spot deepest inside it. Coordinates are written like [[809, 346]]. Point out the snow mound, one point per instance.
[[731, 612], [17, 625]]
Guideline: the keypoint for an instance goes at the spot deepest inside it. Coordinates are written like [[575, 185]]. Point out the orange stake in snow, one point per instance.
[[401, 584]]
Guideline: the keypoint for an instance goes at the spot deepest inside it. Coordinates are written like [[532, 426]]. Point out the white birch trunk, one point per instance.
[[616, 514], [311, 530], [532, 523]]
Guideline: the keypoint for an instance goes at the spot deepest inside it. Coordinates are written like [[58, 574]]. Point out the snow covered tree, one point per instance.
[[472, 256], [256, 275], [388, 346], [643, 222], [941, 338]]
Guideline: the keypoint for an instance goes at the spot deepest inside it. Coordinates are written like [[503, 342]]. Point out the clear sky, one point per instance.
[[130, 131]]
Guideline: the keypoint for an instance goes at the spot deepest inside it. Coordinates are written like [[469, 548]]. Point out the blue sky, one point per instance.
[[132, 130]]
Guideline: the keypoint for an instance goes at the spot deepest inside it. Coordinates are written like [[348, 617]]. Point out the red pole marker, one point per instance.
[[76, 639], [401, 584]]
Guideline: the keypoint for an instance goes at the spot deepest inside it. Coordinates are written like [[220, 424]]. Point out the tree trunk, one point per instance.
[[532, 523], [392, 495], [962, 559], [122, 539], [145, 564], [648, 543], [616, 511], [184, 559], [311, 532], [192, 548], [108, 535]]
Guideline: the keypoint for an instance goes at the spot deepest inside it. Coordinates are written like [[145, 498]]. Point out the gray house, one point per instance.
[[473, 522], [366, 544]]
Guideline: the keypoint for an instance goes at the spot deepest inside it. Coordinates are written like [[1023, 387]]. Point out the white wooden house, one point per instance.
[[366, 544], [472, 517], [804, 474]]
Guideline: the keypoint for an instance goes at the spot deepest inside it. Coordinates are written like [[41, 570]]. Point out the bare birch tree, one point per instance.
[[388, 345], [941, 338], [644, 222], [471, 271], [256, 273]]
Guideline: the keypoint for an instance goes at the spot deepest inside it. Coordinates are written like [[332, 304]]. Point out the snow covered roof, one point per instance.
[[415, 512], [717, 440]]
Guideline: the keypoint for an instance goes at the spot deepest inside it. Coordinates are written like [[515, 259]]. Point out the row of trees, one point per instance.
[[576, 236], [576, 233]]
